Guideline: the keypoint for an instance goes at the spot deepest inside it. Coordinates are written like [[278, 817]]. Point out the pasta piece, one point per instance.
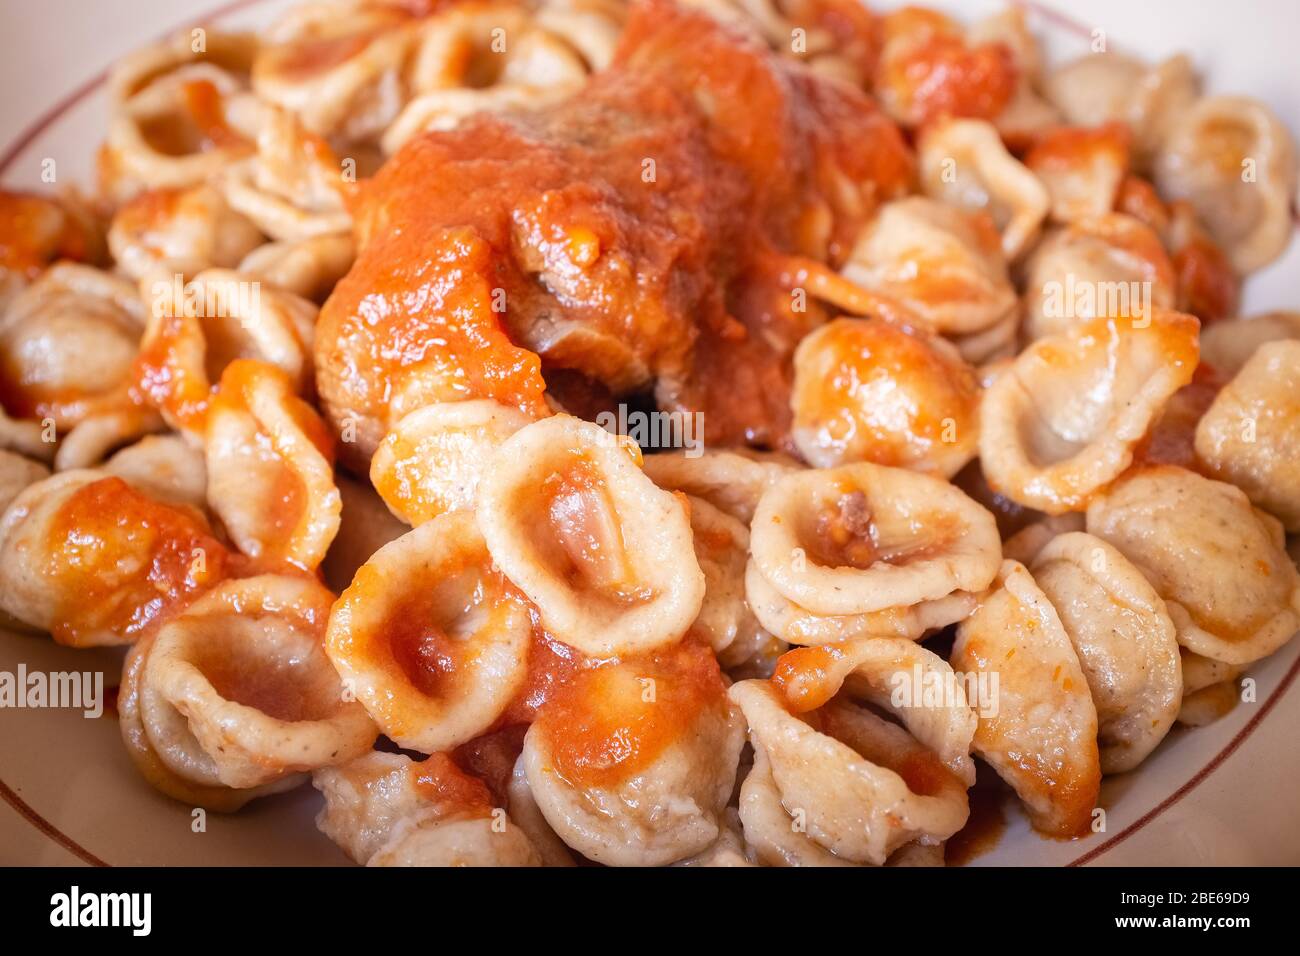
[[1105, 87], [309, 268], [432, 460], [92, 440], [237, 690], [939, 261], [864, 538], [632, 763], [67, 343], [1234, 161], [1229, 345], [197, 330], [1210, 689], [365, 526], [36, 231], [1025, 545], [270, 467], [610, 565], [528, 816], [963, 162], [430, 638], [1082, 168], [1042, 740], [839, 784], [1027, 113], [732, 480], [1125, 641], [16, 474], [1208, 286], [728, 850], [868, 390], [721, 548], [31, 439], [1063, 421], [95, 562], [1250, 436], [797, 625], [1232, 592], [424, 841], [165, 467], [163, 232], [1095, 268]]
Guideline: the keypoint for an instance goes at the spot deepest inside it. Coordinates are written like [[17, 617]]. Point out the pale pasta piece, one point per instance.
[[1250, 436], [67, 343], [165, 467], [270, 467], [634, 762], [1103, 87], [1082, 168], [728, 850], [309, 268], [435, 841], [163, 232], [897, 676], [722, 549], [1125, 641], [1219, 564], [1234, 161], [1210, 689], [1063, 421], [864, 538], [869, 390], [1228, 345], [429, 637], [732, 480], [858, 786], [198, 329], [1042, 739], [365, 526], [237, 689], [592, 27], [1025, 544], [367, 796], [16, 474], [797, 625], [1095, 268], [431, 461], [605, 555], [963, 162], [90, 441], [95, 562], [941, 262], [527, 815], [32, 439]]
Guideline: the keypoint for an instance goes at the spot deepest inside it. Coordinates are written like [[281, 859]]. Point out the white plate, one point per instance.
[[1219, 795]]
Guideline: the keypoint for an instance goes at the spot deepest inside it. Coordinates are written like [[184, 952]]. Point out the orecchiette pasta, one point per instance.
[[167, 231], [1042, 736], [165, 467], [1229, 345], [1082, 168], [1234, 596], [604, 554], [868, 390], [1062, 421], [1209, 689], [16, 474], [731, 480], [1250, 436]]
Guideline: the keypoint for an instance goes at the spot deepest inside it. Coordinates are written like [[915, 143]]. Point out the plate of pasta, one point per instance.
[[649, 432]]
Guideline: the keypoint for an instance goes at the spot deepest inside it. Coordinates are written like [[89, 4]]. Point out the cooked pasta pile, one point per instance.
[[306, 407]]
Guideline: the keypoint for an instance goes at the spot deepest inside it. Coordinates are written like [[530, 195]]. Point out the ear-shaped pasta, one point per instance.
[[1228, 346], [18, 473], [1063, 420], [1102, 87], [237, 690], [527, 815], [1082, 168], [963, 162], [166, 468], [432, 460], [864, 538], [797, 625], [430, 637], [93, 561], [1234, 161], [270, 467], [861, 785], [434, 841], [1095, 268], [632, 763], [1210, 689], [309, 268], [896, 675], [67, 342], [1234, 595], [721, 548], [943, 263], [167, 231], [728, 850], [869, 390], [365, 526], [158, 774], [605, 555], [1251, 434], [1025, 544], [1125, 641], [730, 480], [91, 440], [340, 70], [38, 230], [1042, 739], [196, 331]]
